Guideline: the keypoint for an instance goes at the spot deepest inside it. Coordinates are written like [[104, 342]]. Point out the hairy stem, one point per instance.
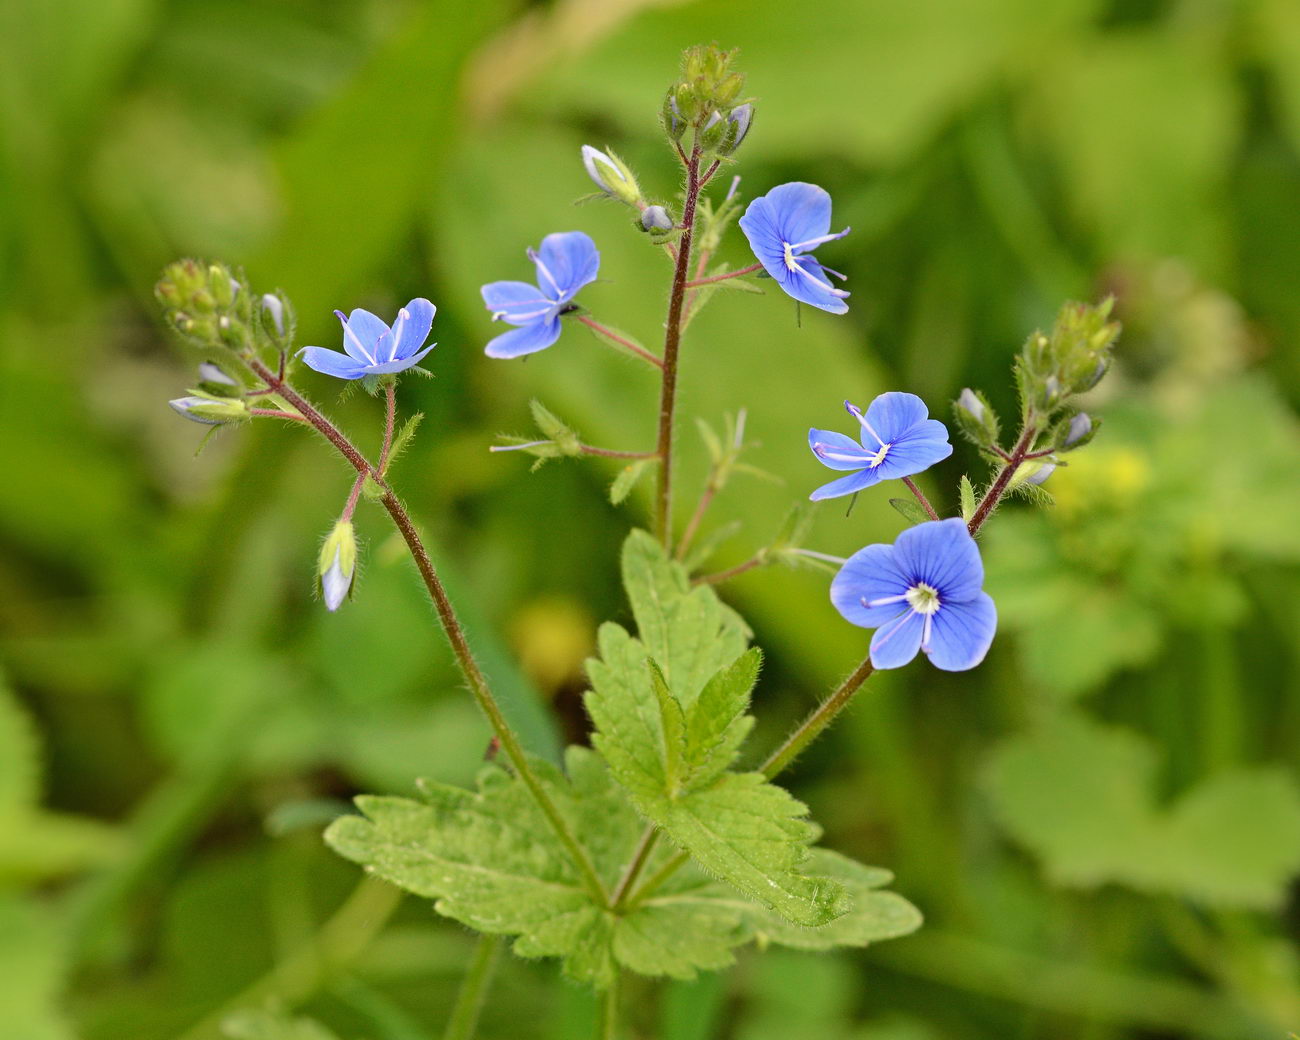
[[609, 453], [717, 578], [672, 342], [920, 497], [607, 1027], [390, 417], [723, 277], [463, 1023], [622, 341], [693, 525], [1000, 484], [453, 630], [275, 413]]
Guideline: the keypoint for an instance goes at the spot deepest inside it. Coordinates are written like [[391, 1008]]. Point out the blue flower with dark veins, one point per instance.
[[374, 349], [898, 439], [566, 261], [782, 226], [924, 592]]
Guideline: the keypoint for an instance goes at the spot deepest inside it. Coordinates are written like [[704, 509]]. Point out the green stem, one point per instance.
[[338, 943], [672, 343], [473, 989], [607, 1027], [453, 630]]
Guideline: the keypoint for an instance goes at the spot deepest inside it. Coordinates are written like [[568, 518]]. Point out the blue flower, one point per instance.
[[566, 262], [898, 440], [373, 349], [923, 592], [781, 227]]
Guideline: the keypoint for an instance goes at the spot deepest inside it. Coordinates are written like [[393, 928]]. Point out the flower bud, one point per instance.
[[211, 411], [1034, 472], [1044, 470], [976, 418], [273, 315], [611, 175], [338, 564], [671, 114], [1079, 428], [656, 218], [216, 381], [971, 404], [737, 127]]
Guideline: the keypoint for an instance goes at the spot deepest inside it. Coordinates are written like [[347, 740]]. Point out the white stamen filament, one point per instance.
[[528, 316], [356, 341], [884, 601], [544, 271], [813, 243], [403, 316], [857, 413], [824, 452]]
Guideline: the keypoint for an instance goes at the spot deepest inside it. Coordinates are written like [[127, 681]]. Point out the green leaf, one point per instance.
[[402, 440], [910, 509], [490, 860], [626, 480], [371, 489], [1082, 797], [673, 725], [566, 440], [966, 493], [738, 826], [31, 964]]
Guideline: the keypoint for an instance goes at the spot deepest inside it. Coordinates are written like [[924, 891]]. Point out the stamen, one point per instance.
[[544, 271], [824, 451], [925, 632], [403, 316], [349, 334], [830, 270], [791, 263], [857, 413], [884, 601], [898, 624], [813, 243], [527, 316]]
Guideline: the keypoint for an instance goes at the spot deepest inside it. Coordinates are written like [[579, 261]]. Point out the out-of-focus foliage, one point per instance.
[[1099, 824]]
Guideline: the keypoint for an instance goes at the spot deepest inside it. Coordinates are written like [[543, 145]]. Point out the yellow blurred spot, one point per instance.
[[552, 638]]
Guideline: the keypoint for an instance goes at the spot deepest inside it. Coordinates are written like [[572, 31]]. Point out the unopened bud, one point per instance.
[[1044, 471], [1080, 427], [338, 564], [215, 380], [671, 114], [656, 218], [972, 404], [737, 127], [611, 175], [273, 315], [210, 411]]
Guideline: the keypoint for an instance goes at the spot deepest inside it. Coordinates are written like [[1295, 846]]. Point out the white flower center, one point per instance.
[[923, 599], [879, 456]]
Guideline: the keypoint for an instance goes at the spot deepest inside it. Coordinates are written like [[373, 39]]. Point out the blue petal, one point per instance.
[[759, 226], [800, 211], [942, 554], [362, 332], [816, 291], [962, 633], [869, 574], [908, 457], [840, 445], [398, 364], [332, 363], [854, 482], [410, 328], [528, 339], [516, 302], [893, 414], [897, 642], [572, 259]]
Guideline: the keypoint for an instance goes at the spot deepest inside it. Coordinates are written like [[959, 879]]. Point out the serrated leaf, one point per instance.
[[966, 492], [32, 966], [737, 826], [626, 480], [489, 859], [718, 724], [910, 509], [672, 723]]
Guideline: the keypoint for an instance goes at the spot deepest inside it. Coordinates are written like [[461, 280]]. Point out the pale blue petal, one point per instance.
[[528, 339], [801, 211], [362, 332], [962, 633], [943, 555], [399, 364], [816, 291], [869, 574], [573, 260], [759, 226], [511, 299], [893, 414], [840, 445], [849, 485], [897, 642], [332, 363], [908, 457], [411, 328]]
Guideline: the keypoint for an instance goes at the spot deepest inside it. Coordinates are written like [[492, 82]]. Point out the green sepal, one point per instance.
[[627, 479], [910, 509], [966, 494]]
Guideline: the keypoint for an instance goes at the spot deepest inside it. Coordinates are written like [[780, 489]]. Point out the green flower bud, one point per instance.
[[338, 564], [656, 218], [611, 175], [211, 411], [975, 418]]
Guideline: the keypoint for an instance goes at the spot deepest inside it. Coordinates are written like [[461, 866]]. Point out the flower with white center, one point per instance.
[[372, 348], [924, 592], [566, 262], [897, 439], [782, 226]]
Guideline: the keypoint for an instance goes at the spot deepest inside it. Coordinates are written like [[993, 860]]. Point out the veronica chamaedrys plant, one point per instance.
[[898, 440], [655, 850]]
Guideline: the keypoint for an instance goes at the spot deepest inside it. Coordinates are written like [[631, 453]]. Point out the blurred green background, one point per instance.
[[1102, 823]]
